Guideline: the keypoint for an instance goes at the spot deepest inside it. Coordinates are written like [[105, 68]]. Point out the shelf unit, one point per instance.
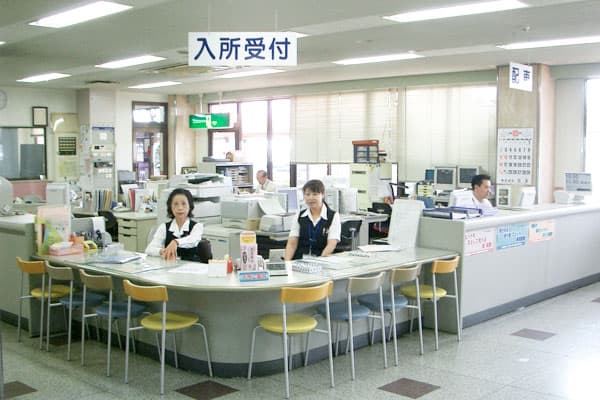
[[366, 151]]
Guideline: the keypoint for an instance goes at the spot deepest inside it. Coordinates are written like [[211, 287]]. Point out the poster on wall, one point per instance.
[[513, 235], [515, 156], [481, 241], [540, 231]]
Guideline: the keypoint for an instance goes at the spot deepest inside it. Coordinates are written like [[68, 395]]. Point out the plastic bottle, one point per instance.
[[229, 264]]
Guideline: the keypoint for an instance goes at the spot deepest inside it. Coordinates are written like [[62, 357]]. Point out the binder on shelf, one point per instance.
[[452, 212]]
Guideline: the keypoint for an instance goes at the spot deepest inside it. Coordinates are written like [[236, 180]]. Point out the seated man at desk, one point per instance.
[[180, 236], [264, 183], [482, 187], [316, 230]]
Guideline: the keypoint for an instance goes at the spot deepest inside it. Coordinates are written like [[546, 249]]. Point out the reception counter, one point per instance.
[[516, 258]]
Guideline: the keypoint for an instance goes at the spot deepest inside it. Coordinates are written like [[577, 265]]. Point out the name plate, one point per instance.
[[253, 276]]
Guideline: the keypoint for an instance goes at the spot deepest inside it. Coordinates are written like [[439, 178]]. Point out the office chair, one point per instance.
[[110, 223], [349, 235]]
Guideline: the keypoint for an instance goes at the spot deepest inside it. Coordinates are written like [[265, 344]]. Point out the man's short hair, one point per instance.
[[261, 173], [478, 180]]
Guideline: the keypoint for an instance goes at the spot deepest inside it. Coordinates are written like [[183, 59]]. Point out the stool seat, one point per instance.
[[175, 321], [58, 291], [119, 309], [92, 299], [372, 301], [296, 323], [426, 291], [339, 311]]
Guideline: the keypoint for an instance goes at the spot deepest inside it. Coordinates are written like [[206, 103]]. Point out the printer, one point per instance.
[[255, 212], [207, 191]]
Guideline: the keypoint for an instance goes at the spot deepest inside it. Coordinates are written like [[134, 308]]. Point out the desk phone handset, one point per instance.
[[89, 245]]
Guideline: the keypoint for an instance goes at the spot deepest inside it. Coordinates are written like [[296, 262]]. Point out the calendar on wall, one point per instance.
[[515, 156]]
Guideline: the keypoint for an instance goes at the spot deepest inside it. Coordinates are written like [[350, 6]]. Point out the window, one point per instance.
[[223, 141]]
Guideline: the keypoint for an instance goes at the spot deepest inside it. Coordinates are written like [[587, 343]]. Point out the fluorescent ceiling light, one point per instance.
[[376, 59], [1, 43], [155, 85], [299, 34], [81, 14], [43, 77], [243, 74], [551, 43], [456, 11], [128, 62]]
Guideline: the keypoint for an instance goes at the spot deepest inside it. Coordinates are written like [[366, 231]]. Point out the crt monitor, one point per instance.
[[578, 183], [445, 178], [465, 175], [461, 198]]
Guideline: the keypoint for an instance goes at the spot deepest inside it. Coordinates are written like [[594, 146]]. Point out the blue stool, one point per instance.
[[371, 301]]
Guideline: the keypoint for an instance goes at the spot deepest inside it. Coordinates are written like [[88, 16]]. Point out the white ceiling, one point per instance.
[[338, 28]]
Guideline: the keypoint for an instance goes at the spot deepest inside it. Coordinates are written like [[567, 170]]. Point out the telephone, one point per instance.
[[90, 245]]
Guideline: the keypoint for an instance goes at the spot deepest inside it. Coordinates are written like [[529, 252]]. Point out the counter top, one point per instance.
[[135, 215], [339, 266]]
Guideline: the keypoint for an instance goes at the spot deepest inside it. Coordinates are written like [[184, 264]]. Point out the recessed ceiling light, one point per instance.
[[43, 78], [243, 74], [155, 85], [551, 43], [80, 14], [128, 62], [377, 59], [456, 11]]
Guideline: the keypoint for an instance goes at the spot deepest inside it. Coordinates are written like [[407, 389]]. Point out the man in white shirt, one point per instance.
[[482, 187], [264, 183]]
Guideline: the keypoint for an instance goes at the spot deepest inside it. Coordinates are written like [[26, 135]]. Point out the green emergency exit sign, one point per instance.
[[209, 121]]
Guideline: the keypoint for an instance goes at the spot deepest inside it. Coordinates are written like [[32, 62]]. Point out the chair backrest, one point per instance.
[[110, 223], [428, 201], [204, 251], [445, 266], [306, 294], [350, 230], [32, 267], [60, 273], [401, 274], [99, 283], [145, 293], [365, 284]]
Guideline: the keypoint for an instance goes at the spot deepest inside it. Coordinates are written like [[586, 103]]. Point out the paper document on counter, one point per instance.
[[191, 268], [404, 223], [379, 247]]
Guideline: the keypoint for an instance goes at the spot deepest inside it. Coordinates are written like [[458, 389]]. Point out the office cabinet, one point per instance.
[[134, 229], [366, 151]]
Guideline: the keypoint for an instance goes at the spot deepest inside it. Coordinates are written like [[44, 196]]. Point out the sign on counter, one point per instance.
[[540, 231], [514, 235], [482, 241]]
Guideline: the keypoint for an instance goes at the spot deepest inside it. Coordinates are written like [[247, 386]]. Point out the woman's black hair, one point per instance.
[[315, 186], [174, 193]]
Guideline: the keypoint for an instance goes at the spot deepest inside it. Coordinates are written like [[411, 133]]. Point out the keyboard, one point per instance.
[[306, 267]]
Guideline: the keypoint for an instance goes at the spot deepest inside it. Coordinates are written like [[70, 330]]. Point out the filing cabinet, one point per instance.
[[134, 229]]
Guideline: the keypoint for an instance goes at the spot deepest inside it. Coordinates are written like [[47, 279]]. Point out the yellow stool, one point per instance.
[[290, 324], [159, 322], [433, 293], [39, 293]]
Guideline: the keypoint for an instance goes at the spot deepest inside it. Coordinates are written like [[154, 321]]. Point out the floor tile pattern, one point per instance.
[[409, 388], [206, 390], [533, 334]]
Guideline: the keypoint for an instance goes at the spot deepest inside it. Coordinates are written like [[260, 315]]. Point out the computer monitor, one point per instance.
[[429, 174], [515, 196], [461, 198], [293, 198], [445, 178], [465, 175], [58, 193], [578, 183]]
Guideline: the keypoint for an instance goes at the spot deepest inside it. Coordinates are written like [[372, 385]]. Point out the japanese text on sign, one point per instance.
[[242, 48], [511, 236], [542, 230], [520, 77], [479, 241]]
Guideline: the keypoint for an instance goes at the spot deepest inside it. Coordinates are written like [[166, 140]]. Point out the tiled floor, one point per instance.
[[549, 351]]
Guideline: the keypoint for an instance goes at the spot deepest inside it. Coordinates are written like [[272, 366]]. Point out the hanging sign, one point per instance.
[[520, 77], [242, 48], [210, 121]]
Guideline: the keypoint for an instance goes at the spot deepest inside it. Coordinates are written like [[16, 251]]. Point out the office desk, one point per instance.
[[230, 309]]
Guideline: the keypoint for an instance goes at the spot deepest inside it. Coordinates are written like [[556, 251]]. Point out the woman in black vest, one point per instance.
[[181, 235], [316, 230]]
